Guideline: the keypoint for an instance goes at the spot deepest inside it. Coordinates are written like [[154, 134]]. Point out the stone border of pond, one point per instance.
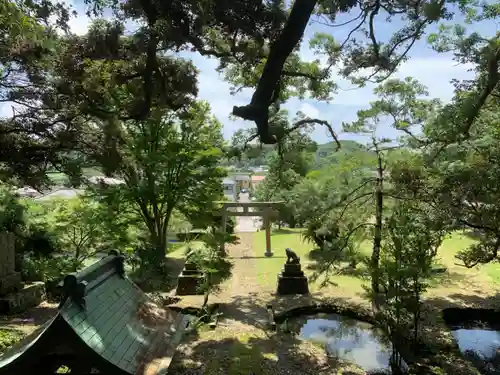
[[325, 308], [468, 318]]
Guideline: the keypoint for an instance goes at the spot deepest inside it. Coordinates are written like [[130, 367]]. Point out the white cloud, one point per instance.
[[309, 110], [436, 73]]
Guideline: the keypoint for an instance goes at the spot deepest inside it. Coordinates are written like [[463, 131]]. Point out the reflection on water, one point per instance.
[[349, 340], [482, 347]]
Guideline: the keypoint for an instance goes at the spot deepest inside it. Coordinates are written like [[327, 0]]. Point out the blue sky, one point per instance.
[[430, 68]]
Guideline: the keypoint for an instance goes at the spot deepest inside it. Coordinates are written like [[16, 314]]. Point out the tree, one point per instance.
[[288, 163], [80, 229], [457, 167], [472, 97], [398, 101], [412, 236], [29, 32], [168, 162], [379, 59]]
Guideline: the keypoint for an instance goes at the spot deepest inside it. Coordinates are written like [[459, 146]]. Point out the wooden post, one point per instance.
[[223, 228], [267, 224]]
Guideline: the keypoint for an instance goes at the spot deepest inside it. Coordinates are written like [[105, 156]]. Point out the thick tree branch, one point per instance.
[[258, 109], [306, 121]]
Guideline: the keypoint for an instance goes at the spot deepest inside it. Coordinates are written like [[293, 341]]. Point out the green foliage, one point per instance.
[[78, 229], [9, 337], [12, 212], [213, 263], [411, 241], [46, 269], [167, 163]]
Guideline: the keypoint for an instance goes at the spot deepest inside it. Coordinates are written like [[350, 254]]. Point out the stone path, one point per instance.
[[241, 344], [241, 294]]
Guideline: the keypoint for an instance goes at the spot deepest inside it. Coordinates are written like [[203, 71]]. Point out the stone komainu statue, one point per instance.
[[291, 256]]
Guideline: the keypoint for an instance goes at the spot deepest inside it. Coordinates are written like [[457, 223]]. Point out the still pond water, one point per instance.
[[482, 347], [347, 339]]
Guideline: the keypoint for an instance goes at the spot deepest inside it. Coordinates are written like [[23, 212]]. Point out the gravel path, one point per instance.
[[241, 294], [241, 343]]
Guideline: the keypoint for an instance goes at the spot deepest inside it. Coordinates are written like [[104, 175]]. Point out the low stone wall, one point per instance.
[[30, 295], [326, 308]]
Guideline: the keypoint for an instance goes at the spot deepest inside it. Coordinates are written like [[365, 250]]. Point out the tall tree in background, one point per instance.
[[167, 163], [28, 39], [288, 164], [457, 168], [398, 102]]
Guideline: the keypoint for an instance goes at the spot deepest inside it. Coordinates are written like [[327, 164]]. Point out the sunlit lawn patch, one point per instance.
[[268, 268], [9, 337]]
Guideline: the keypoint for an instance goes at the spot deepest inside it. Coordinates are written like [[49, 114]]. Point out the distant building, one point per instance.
[[105, 180], [242, 180], [230, 189], [256, 180], [322, 154]]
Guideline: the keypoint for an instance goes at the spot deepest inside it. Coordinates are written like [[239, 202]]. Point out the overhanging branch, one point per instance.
[[258, 109]]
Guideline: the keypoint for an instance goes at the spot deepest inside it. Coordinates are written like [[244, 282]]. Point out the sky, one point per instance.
[[430, 68]]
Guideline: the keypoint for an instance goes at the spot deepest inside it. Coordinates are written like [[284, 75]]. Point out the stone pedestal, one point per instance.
[[189, 281], [30, 295], [292, 280]]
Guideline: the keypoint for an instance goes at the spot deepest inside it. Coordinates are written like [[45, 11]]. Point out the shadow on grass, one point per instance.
[[33, 316], [443, 349], [284, 231], [251, 310], [446, 278], [459, 300], [474, 234], [318, 258], [250, 353]]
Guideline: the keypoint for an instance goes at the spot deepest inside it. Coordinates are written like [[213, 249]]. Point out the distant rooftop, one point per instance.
[[258, 178], [228, 181]]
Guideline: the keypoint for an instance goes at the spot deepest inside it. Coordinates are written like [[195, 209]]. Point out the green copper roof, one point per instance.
[[123, 326], [116, 320]]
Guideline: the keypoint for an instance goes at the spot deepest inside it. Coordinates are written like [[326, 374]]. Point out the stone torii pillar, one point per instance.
[[268, 210], [267, 224]]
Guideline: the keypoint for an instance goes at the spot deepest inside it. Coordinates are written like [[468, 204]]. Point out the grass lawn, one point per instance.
[[460, 285], [480, 281], [268, 268], [60, 178], [240, 352]]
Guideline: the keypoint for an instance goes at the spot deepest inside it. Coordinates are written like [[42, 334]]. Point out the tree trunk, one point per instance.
[[207, 291], [377, 235], [160, 239], [76, 259]]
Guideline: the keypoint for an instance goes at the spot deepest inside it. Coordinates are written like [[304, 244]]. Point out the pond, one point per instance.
[[347, 340], [477, 333], [482, 347]]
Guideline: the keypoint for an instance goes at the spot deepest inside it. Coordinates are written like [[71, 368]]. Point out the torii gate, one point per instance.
[[268, 209]]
